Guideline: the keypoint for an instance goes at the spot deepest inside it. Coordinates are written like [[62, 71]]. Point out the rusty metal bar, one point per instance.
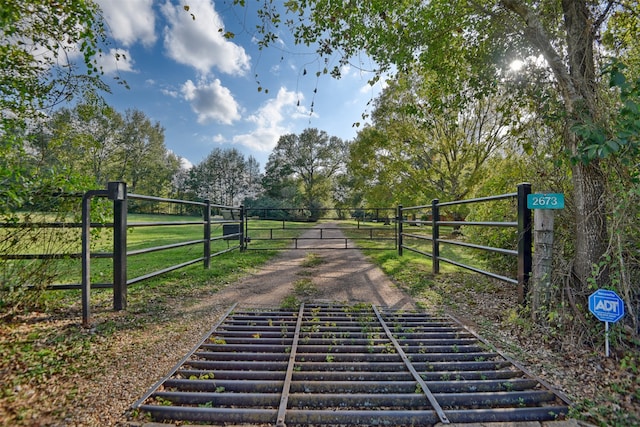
[[375, 400], [221, 399], [227, 355], [217, 415], [342, 375], [371, 400], [287, 381], [544, 413], [363, 417], [233, 374], [425, 388], [149, 392], [391, 357], [271, 386]]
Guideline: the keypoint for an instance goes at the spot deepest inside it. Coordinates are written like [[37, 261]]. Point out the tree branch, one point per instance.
[[535, 33], [598, 22]]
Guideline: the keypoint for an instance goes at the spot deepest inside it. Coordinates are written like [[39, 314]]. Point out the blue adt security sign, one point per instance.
[[606, 305]]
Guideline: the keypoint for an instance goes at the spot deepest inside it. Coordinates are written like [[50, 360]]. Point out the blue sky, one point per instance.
[[203, 88]]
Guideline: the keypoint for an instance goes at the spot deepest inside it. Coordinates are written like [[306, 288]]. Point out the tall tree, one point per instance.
[[467, 43], [375, 170], [430, 151], [234, 176], [95, 141], [253, 180], [37, 41], [81, 140], [225, 177], [278, 182], [312, 158], [142, 159]]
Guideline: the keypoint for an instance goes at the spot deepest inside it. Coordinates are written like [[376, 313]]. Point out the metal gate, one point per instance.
[[323, 229]]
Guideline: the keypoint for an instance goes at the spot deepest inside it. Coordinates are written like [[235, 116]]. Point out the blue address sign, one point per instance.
[[545, 201]]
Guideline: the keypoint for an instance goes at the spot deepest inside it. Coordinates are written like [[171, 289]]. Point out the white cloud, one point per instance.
[[169, 92], [117, 60], [130, 21], [269, 119], [185, 163], [194, 38], [218, 139], [376, 89], [211, 101]]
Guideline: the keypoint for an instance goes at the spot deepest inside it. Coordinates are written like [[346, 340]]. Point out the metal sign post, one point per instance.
[[607, 306]]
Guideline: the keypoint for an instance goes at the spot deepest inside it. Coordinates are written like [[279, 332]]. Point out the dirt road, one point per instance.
[[338, 274]]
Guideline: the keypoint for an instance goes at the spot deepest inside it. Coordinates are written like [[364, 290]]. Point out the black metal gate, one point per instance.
[[323, 229]]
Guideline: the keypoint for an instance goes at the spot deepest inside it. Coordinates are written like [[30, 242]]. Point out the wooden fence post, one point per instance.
[[542, 261]]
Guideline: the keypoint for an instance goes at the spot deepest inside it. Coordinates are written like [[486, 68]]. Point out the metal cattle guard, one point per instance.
[[332, 364]]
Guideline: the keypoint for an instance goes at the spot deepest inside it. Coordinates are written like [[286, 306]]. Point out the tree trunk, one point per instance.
[[589, 182], [576, 82], [589, 194]]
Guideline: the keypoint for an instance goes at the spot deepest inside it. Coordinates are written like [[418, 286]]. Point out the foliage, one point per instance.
[[368, 165], [622, 33], [620, 134], [94, 140], [22, 283], [280, 185], [37, 49], [48, 167], [622, 260], [224, 177], [267, 207], [496, 237], [46, 359], [504, 176], [425, 149], [309, 161], [15, 184], [142, 160], [467, 47], [47, 57]]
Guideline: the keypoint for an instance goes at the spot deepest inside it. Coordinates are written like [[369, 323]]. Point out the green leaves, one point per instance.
[[310, 162], [620, 135], [38, 38]]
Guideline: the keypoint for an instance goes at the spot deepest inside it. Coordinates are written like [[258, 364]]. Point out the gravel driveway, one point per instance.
[[343, 275]]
